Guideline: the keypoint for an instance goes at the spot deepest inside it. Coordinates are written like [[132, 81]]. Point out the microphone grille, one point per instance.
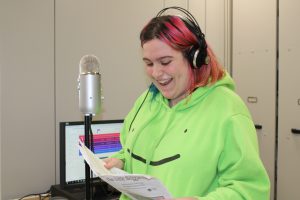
[[89, 64]]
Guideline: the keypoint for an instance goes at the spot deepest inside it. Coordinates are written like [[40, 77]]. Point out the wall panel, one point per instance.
[[213, 18], [215, 27], [198, 9], [289, 101], [180, 3], [254, 70], [27, 97]]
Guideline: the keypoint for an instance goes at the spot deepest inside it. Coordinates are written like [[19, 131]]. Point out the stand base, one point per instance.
[[77, 192]]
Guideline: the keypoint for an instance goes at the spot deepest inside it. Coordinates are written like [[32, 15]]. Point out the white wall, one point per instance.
[[1, 17], [180, 3], [1, 52], [215, 26], [214, 19], [27, 100]]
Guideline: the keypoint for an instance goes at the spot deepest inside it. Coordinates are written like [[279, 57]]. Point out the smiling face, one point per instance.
[[168, 69]]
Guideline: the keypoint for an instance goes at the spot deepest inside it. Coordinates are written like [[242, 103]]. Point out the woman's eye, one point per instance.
[[149, 64], [166, 62]]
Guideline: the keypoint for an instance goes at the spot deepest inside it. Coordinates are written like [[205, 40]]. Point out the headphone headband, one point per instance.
[[186, 12], [197, 54]]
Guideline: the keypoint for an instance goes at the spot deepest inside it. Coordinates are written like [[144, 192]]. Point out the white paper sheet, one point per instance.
[[136, 186]]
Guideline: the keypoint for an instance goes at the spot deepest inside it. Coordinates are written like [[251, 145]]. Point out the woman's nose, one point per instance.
[[157, 71]]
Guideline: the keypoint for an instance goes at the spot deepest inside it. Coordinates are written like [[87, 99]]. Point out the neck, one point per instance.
[[173, 102]]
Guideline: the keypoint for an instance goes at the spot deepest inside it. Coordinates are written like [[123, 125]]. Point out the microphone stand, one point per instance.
[[87, 142], [89, 87]]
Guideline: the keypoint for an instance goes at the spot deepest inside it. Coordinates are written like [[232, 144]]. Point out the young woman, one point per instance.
[[190, 129]]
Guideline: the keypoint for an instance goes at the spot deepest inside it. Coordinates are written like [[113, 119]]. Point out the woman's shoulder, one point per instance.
[[228, 100]]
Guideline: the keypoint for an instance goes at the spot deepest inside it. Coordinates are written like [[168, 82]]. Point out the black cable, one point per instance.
[[47, 193], [140, 107]]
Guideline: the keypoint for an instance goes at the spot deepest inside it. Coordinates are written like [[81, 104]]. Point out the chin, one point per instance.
[[167, 96]]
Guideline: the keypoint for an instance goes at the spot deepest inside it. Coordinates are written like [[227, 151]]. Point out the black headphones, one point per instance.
[[197, 55]]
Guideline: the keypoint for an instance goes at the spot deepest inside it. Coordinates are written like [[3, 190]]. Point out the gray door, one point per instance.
[[289, 101], [254, 70]]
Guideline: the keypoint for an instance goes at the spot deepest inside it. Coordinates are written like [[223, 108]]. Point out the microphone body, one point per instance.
[[89, 85], [90, 93]]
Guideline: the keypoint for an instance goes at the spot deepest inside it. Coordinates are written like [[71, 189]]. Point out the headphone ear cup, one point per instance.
[[197, 57], [192, 57]]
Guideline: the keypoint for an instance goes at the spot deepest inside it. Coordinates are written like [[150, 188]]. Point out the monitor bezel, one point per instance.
[[62, 142]]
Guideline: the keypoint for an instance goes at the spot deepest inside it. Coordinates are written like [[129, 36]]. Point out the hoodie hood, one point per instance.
[[198, 94]]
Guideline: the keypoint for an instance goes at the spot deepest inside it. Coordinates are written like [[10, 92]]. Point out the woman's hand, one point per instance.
[[113, 162]]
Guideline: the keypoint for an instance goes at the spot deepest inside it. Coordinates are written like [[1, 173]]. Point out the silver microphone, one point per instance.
[[89, 85]]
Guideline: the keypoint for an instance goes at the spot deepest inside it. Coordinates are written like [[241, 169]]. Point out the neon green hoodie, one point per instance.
[[205, 146]]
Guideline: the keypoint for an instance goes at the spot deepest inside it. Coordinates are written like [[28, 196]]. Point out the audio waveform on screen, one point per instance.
[[104, 143]]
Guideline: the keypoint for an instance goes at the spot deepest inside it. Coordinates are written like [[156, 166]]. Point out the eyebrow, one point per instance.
[[160, 58]]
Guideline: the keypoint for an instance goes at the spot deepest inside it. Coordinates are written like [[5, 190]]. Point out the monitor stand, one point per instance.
[[102, 191]]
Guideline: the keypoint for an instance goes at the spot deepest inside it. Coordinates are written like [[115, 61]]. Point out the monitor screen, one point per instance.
[[106, 142]]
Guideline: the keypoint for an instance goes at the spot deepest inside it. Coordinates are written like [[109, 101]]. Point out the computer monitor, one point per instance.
[[106, 142]]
